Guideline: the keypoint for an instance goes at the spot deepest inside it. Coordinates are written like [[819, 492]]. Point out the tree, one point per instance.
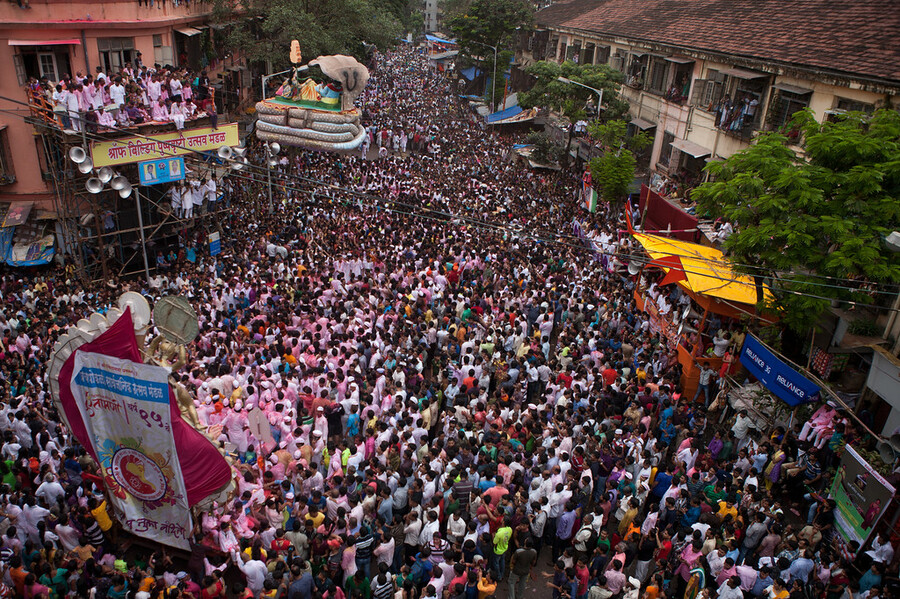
[[568, 99], [481, 25], [490, 22], [813, 222], [613, 171], [545, 150], [322, 26]]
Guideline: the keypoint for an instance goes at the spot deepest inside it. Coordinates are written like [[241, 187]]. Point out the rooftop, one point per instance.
[[846, 37]]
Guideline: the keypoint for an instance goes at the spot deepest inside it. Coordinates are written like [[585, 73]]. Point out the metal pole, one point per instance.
[[494, 82], [137, 193], [269, 175]]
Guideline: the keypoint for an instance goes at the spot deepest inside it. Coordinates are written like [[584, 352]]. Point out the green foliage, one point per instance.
[[322, 27], [568, 99], [864, 327], [545, 151], [612, 173], [823, 212], [481, 25], [490, 22]]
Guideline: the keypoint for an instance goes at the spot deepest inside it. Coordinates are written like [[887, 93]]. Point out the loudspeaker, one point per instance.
[[94, 185], [77, 155]]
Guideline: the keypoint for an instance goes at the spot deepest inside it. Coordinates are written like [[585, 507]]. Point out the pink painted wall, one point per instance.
[[62, 19]]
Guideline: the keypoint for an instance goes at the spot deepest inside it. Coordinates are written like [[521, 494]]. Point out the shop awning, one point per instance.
[[513, 114], [742, 74], [642, 124], [680, 59], [443, 55], [17, 214], [700, 269], [504, 114], [432, 38], [68, 42], [188, 31], [794, 89], [689, 147]]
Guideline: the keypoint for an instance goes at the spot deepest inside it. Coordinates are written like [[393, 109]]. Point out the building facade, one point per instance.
[[50, 38], [431, 14], [704, 76]]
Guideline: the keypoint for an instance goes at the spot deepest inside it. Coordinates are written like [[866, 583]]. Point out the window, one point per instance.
[[854, 105], [637, 70], [659, 71], [666, 151], [115, 52], [562, 52], [602, 55], [587, 55], [784, 105], [573, 52], [47, 66], [163, 55], [41, 61], [7, 174]]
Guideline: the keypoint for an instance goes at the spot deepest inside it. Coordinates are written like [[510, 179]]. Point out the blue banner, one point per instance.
[[161, 171], [776, 375]]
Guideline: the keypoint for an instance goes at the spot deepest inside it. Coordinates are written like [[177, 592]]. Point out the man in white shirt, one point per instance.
[[117, 92]]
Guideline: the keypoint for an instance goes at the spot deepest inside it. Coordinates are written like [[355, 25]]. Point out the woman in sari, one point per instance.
[[773, 470]]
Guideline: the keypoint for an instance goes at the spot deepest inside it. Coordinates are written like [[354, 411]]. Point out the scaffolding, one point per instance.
[[101, 233]]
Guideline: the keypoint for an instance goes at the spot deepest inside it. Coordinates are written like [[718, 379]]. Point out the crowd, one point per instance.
[[137, 94], [422, 401]]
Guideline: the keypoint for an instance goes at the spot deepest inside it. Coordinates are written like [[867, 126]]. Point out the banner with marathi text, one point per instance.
[[125, 409], [163, 145]]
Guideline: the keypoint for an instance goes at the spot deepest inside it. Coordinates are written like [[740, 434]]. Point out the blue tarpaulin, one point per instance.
[[470, 73], [504, 114], [776, 375], [439, 40]]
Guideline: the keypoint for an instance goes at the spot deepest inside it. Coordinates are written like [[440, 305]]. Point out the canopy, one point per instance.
[[69, 42], [689, 147], [699, 269], [502, 115], [433, 38], [470, 73]]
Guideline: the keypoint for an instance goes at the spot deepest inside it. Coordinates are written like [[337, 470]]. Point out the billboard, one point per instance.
[[152, 172], [776, 375], [163, 145], [861, 494], [125, 409]]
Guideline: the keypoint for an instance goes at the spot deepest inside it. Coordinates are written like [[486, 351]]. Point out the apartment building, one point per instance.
[[48, 38], [704, 76]]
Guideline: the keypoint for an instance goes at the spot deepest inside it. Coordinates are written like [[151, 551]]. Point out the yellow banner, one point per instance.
[[163, 145]]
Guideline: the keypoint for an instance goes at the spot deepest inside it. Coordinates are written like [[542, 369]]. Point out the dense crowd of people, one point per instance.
[[458, 400]]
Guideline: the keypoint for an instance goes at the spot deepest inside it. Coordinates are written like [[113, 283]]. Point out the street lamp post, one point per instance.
[[494, 79], [599, 92]]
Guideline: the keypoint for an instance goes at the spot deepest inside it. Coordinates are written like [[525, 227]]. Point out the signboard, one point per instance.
[[161, 171], [776, 375], [163, 145], [17, 214], [861, 494], [125, 409], [215, 244]]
